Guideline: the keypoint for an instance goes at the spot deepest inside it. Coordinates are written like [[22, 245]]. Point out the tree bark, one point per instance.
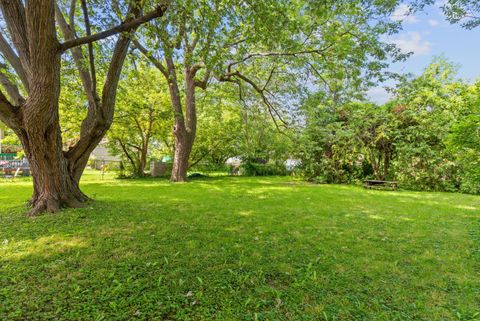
[[39, 128], [185, 130], [143, 161], [183, 147], [56, 174], [53, 185]]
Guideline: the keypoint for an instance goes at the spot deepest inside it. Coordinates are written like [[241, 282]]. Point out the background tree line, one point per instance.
[[427, 137]]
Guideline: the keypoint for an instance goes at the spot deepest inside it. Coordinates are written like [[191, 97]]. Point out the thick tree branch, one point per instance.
[[11, 89], [5, 105], [14, 15], [204, 82], [91, 56], [78, 58], [13, 59], [8, 113], [126, 26], [173, 86], [100, 117], [196, 67], [71, 14]]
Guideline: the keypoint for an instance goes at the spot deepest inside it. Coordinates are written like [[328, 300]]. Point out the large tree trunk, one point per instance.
[[184, 129], [185, 126], [53, 185], [40, 131]]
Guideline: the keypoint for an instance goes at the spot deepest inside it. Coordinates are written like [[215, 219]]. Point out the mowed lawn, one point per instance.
[[238, 248]]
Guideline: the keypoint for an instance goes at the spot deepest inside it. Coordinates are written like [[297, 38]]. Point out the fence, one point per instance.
[[7, 156], [9, 167]]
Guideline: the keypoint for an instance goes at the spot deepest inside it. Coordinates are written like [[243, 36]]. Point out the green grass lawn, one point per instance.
[[237, 248]]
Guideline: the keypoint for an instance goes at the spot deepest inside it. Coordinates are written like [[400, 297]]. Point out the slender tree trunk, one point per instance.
[[386, 164], [183, 147], [144, 147], [375, 166], [143, 158], [184, 129]]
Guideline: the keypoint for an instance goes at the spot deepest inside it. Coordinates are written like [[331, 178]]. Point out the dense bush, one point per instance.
[[427, 138], [258, 169]]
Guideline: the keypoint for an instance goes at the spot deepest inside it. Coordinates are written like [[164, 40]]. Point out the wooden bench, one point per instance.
[[377, 184]]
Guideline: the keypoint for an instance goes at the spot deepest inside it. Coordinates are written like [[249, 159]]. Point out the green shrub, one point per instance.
[[256, 169]]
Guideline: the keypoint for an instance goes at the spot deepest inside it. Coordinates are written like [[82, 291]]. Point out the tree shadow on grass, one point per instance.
[[233, 249]]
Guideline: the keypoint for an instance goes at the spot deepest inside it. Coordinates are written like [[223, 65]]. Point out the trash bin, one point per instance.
[[158, 168]]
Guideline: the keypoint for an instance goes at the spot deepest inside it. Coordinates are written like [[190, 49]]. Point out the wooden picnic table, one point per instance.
[[378, 184]]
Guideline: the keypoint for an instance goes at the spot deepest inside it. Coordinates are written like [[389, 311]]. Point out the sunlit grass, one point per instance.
[[237, 248]]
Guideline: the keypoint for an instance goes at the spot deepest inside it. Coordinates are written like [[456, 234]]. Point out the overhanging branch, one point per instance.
[[279, 54], [14, 15], [126, 26], [260, 90]]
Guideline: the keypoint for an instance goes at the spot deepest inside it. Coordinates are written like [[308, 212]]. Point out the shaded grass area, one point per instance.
[[238, 248]]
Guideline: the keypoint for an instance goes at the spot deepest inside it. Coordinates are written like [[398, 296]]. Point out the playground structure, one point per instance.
[[13, 168]]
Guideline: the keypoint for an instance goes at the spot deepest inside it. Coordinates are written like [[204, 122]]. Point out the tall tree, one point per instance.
[[425, 110], [32, 48], [252, 43]]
